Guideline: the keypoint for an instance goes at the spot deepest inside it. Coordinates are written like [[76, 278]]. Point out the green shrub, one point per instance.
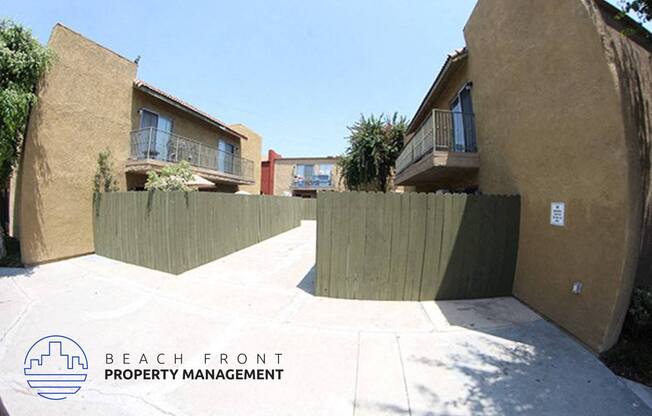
[[171, 178], [104, 181], [12, 258], [631, 357], [638, 323]]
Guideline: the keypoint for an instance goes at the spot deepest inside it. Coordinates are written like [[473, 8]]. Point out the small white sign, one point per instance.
[[558, 214]]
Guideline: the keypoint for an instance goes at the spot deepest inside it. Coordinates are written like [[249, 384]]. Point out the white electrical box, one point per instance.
[[558, 214]]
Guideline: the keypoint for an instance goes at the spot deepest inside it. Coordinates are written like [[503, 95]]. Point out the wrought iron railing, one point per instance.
[[443, 130], [155, 144], [313, 182]]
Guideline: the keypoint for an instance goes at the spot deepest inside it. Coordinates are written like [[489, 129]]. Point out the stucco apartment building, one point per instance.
[[299, 176], [551, 101], [89, 101]]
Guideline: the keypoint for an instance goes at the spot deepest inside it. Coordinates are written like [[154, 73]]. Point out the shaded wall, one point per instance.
[[175, 231], [83, 107], [630, 58], [550, 127], [415, 246]]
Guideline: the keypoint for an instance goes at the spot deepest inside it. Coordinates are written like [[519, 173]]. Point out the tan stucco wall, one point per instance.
[[550, 128], [252, 150], [283, 176], [284, 172], [183, 123], [84, 107]]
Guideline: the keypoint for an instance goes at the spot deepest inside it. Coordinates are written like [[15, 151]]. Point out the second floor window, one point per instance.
[[158, 129], [313, 175], [149, 119], [463, 123], [226, 156], [304, 171]]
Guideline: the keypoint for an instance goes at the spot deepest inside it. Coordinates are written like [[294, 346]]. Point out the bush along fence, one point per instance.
[[175, 231], [416, 246]]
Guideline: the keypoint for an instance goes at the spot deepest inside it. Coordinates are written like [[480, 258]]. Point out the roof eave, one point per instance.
[[167, 98], [443, 72]]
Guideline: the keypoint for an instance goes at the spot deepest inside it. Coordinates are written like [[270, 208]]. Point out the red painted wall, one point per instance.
[[267, 173]]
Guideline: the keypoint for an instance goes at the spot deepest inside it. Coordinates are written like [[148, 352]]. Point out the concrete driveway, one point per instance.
[[339, 357]]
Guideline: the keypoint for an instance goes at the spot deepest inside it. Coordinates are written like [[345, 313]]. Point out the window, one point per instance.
[[325, 169], [313, 175], [304, 171], [226, 156], [463, 122], [156, 134]]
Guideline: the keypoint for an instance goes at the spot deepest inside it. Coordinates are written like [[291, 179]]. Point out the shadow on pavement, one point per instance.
[[307, 284]]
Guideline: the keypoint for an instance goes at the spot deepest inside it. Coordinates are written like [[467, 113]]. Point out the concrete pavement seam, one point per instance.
[[400, 357], [357, 375]]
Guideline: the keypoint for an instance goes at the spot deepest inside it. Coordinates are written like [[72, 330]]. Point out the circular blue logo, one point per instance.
[[55, 367]]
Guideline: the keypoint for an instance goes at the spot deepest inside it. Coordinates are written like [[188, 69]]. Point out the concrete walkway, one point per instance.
[[340, 357]]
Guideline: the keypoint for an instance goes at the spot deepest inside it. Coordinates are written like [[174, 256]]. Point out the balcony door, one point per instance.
[[303, 175], [463, 124], [157, 131], [324, 178], [226, 156]]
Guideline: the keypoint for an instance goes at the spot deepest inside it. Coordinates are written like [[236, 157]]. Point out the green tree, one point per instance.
[[374, 145], [23, 60], [642, 9], [104, 181], [171, 178]]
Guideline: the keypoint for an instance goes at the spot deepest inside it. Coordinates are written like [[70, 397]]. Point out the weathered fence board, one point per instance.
[[416, 246], [175, 232]]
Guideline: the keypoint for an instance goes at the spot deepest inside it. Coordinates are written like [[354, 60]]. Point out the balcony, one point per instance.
[[316, 182], [153, 148], [442, 149]]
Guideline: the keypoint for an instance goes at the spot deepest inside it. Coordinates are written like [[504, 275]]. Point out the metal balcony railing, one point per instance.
[[313, 182], [443, 130], [155, 144]]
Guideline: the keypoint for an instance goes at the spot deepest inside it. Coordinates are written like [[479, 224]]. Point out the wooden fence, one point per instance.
[[416, 246], [174, 232], [309, 209]]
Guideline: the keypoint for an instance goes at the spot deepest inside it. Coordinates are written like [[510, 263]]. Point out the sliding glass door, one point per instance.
[[458, 125], [158, 136], [463, 122], [226, 157]]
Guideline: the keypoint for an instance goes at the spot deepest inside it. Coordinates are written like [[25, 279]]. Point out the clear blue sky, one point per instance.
[[296, 71]]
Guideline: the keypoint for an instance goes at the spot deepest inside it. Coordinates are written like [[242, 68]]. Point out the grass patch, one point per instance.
[[12, 259], [631, 357]]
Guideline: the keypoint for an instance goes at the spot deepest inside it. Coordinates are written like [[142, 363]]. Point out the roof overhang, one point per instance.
[[308, 159], [452, 63], [184, 106]]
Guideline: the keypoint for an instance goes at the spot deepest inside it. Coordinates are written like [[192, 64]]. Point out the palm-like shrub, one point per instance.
[[374, 145]]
